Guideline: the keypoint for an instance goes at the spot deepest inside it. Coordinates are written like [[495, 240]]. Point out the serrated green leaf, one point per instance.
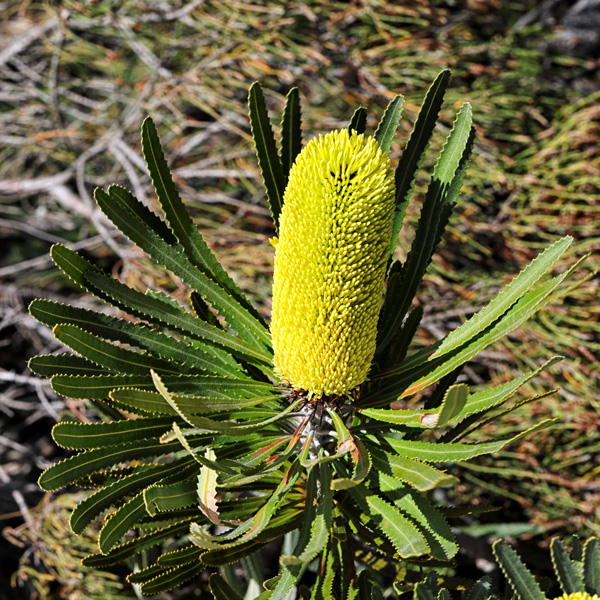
[[321, 525], [506, 298], [386, 130], [568, 575], [48, 365], [358, 122], [440, 539], [173, 578], [246, 325], [519, 578], [476, 403], [135, 546], [266, 151], [153, 402], [448, 452], [291, 132], [97, 435], [221, 590], [92, 506], [135, 334], [70, 470], [156, 311], [179, 557], [412, 157], [164, 498], [419, 475], [522, 310], [439, 199], [591, 566], [120, 522], [179, 219], [481, 589], [114, 357], [405, 537], [150, 308]]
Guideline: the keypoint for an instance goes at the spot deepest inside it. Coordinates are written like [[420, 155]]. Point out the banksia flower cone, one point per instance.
[[330, 260]]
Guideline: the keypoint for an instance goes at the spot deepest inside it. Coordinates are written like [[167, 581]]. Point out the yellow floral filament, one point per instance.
[[330, 260]]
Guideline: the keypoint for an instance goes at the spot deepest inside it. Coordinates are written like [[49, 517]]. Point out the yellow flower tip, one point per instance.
[[578, 596], [330, 261], [273, 241]]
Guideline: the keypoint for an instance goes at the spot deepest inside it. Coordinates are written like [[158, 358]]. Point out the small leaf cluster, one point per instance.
[[200, 444], [577, 573]]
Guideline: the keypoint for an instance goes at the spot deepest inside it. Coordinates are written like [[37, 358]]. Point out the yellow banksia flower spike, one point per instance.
[[578, 596], [330, 261]]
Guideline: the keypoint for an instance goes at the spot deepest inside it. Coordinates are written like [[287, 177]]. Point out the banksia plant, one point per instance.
[[219, 434]]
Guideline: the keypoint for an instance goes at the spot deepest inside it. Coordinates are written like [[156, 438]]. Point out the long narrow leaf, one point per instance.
[[178, 217], [412, 157], [291, 132], [506, 298], [247, 326], [266, 151], [441, 194], [386, 130]]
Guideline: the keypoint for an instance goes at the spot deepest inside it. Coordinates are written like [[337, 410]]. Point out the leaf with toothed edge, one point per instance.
[[414, 152], [569, 575], [520, 579], [266, 151], [92, 506], [386, 130], [120, 522], [441, 540], [136, 546], [400, 531], [172, 578], [591, 566], [358, 122], [71, 469], [206, 358], [98, 435], [247, 326], [179, 219], [291, 132], [440, 198]]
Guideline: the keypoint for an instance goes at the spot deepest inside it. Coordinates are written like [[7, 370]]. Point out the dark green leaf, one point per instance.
[[221, 590], [120, 522], [248, 327], [568, 574], [412, 157], [266, 151], [173, 578], [591, 566], [48, 365], [206, 358], [135, 546], [98, 435], [70, 470], [440, 197], [178, 217], [92, 506], [519, 578], [358, 122], [291, 133]]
